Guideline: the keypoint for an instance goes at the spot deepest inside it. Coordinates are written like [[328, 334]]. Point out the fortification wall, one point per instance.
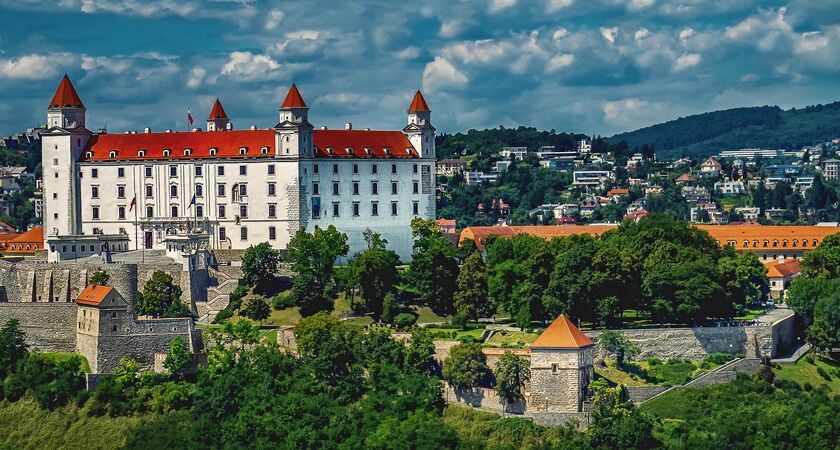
[[685, 343], [49, 327], [139, 340], [481, 397]]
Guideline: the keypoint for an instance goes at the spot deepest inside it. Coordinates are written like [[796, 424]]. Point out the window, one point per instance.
[[55, 195], [221, 190], [335, 209], [150, 212], [199, 190], [315, 168], [199, 210], [198, 171], [243, 150], [416, 187], [243, 211], [393, 208], [148, 172], [393, 168], [166, 152], [355, 168], [271, 169], [222, 211], [272, 211], [213, 152], [150, 192], [373, 168], [173, 171], [95, 212], [335, 169], [220, 171], [243, 190], [335, 188], [55, 161], [415, 208], [243, 170], [112, 154], [355, 188], [374, 188], [394, 187], [187, 152], [141, 153], [414, 168], [121, 172], [222, 234], [173, 190], [94, 173], [121, 212], [272, 189], [120, 191], [94, 191], [243, 233], [315, 189], [374, 208], [355, 209], [174, 211]]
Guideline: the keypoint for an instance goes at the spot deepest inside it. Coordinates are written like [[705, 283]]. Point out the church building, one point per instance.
[[223, 188]]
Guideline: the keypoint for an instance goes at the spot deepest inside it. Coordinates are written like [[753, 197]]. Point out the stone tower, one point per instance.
[[61, 146], [419, 130], [218, 119], [561, 368], [294, 132]]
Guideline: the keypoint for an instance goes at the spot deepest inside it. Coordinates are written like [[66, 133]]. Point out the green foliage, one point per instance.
[[389, 309], [465, 366], [472, 299], [257, 308], [313, 256], [236, 296], [259, 263], [52, 383], [405, 320], [222, 316], [161, 297], [13, 346], [177, 357], [616, 423], [617, 343], [434, 268], [512, 373], [375, 272], [823, 261], [282, 301], [100, 278]]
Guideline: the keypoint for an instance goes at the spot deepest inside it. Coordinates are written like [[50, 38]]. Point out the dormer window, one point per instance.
[[213, 151], [330, 150], [141, 153], [264, 150], [112, 154], [88, 155], [166, 152], [243, 150], [387, 150], [349, 150], [368, 150], [187, 151], [409, 150]]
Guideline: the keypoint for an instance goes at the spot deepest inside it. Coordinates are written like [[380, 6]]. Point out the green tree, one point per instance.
[[471, 297], [616, 342], [257, 309], [376, 272], [616, 423], [420, 352], [805, 292], [434, 269], [177, 357], [465, 366], [743, 278], [161, 297], [313, 256], [100, 278], [824, 260], [13, 347], [259, 263], [512, 373], [824, 333], [328, 346]]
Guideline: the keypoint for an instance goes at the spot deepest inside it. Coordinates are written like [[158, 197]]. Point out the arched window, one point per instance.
[[816, 243], [795, 243], [88, 155], [766, 243], [112, 154], [784, 243], [287, 138], [264, 150], [141, 153], [755, 243], [243, 150], [166, 152], [746, 244], [187, 151], [212, 152], [804, 242]]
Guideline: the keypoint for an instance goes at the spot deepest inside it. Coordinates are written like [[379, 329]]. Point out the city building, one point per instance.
[[477, 177], [729, 187], [450, 167], [557, 164], [831, 169], [229, 189], [710, 167], [591, 178], [748, 212], [781, 273], [695, 194], [517, 152]]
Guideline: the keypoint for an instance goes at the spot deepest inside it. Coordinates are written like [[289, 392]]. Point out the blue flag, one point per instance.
[[192, 202]]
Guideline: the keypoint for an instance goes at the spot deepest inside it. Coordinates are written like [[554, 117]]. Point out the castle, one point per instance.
[[229, 189]]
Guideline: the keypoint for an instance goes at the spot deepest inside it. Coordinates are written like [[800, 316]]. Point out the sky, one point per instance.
[[587, 66]]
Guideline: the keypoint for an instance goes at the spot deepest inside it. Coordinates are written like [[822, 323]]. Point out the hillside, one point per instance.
[[764, 126]]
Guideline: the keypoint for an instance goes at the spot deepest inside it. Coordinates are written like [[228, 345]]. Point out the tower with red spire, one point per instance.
[[419, 130], [294, 132], [66, 109], [218, 119]]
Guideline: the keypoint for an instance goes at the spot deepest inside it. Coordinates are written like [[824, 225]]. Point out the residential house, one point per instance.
[[588, 206], [450, 167], [685, 178], [26, 244], [729, 187], [637, 205], [710, 167], [781, 273], [695, 194], [502, 166], [707, 213], [653, 190], [831, 169], [558, 164], [566, 209], [775, 214], [446, 225], [517, 152], [749, 212], [617, 193], [636, 215], [591, 178], [477, 177]]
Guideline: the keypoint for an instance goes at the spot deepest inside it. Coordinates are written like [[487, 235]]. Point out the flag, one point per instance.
[[192, 202], [189, 117], [133, 203]]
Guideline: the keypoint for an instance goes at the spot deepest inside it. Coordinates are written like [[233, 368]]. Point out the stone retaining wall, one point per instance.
[[639, 394], [49, 327], [481, 397]]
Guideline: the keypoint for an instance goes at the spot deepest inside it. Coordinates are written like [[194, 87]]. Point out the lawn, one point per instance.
[[446, 334], [64, 356], [426, 315], [643, 373], [512, 338], [814, 370]]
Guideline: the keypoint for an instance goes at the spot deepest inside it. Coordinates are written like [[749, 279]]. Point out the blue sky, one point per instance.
[[590, 66]]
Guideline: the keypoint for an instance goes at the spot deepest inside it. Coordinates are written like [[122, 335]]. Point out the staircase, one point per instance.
[[222, 282]]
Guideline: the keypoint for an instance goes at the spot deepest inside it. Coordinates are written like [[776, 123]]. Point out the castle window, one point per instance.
[[141, 153], [374, 208], [243, 170], [212, 152], [94, 212], [394, 188], [368, 150], [187, 152], [94, 173], [222, 212], [374, 188], [355, 209], [121, 191], [173, 171], [149, 211], [243, 150], [393, 168], [416, 189], [373, 169], [121, 212], [755, 243], [349, 150], [775, 243], [315, 189], [784, 243], [415, 168], [198, 171], [166, 152], [174, 211], [387, 150], [335, 209], [94, 191], [416, 208], [149, 191], [272, 211], [120, 172], [148, 171], [114, 328], [553, 367], [264, 150], [173, 190], [113, 314], [272, 233], [335, 188], [355, 188], [795, 243], [315, 169], [199, 210], [272, 189], [394, 208], [88, 155], [271, 169], [243, 233], [112, 154], [330, 150], [199, 190], [221, 190], [335, 169]]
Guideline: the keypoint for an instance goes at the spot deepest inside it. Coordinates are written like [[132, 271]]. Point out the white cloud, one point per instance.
[[450, 28], [636, 5], [560, 33], [140, 8], [105, 64], [749, 78], [196, 77], [686, 33], [641, 34], [560, 61], [409, 52], [811, 41], [500, 5], [609, 34], [248, 66], [35, 67], [632, 113], [686, 61], [273, 19], [557, 5], [440, 74]]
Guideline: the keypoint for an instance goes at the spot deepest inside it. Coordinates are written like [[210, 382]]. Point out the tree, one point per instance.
[[100, 278], [257, 309], [13, 347], [161, 297], [465, 366], [824, 260], [177, 357], [313, 256], [375, 270], [616, 343], [805, 292], [743, 278], [259, 263], [824, 333], [617, 423], [434, 268], [512, 373], [471, 297]]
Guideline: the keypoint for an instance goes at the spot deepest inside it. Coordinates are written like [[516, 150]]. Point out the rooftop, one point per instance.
[[93, 295], [562, 333]]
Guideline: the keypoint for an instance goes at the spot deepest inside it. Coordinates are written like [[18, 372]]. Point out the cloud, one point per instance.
[[686, 61], [500, 5], [440, 74], [557, 5], [108, 64], [410, 52], [641, 34], [35, 67], [196, 77], [560, 61], [686, 33], [141, 8], [273, 19], [630, 113], [248, 66], [609, 34]]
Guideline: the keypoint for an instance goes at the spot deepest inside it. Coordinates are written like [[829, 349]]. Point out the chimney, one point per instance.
[[147, 130], [253, 127], [348, 126]]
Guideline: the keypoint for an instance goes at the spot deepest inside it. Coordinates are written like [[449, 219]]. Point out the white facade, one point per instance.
[[730, 187], [233, 188]]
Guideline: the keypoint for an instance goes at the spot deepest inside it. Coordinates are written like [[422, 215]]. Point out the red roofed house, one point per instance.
[[7, 233], [228, 189], [26, 244], [446, 225], [781, 273], [561, 368]]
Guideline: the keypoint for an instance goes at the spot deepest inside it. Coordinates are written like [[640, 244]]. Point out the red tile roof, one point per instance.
[[226, 143], [358, 141], [218, 112], [783, 269], [418, 104], [293, 99], [562, 333], [618, 191], [66, 96], [93, 295], [28, 242]]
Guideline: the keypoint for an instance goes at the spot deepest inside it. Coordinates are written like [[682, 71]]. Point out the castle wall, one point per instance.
[[49, 327], [138, 340]]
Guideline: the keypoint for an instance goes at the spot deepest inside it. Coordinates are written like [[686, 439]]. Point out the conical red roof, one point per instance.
[[218, 112], [418, 104], [65, 95], [562, 333], [293, 99]]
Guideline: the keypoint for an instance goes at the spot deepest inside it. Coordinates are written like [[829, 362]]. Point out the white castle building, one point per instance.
[[229, 189]]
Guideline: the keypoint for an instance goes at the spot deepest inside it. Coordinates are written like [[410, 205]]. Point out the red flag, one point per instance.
[[133, 203], [189, 117]]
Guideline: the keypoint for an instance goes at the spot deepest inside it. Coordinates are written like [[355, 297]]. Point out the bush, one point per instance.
[[405, 320], [719, 358], [282, 301], [236, 297], [807, 387], [822, 372], [654, 361], [223, 315], [460, 321]]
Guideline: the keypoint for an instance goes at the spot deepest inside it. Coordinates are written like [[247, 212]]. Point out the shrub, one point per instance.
[[460, 321], [223, 315], [822, 372], [719, 358], [808, 387], [405, 320], [236, 296], [282, 301], [654, 361]]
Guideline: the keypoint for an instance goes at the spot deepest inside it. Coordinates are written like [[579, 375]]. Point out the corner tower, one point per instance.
[[218, 119], [294, 132], [419, 130]]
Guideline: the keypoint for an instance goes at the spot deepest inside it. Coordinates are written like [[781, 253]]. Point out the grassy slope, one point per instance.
[[805, 371], [23, 425], [64, 356]]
